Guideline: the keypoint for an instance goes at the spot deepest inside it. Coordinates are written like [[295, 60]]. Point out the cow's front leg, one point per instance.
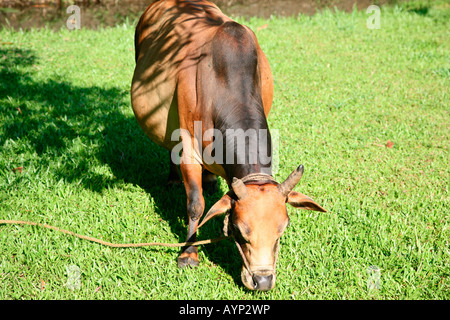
[[192, 176]]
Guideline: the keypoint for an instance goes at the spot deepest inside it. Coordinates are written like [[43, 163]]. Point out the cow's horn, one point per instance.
[[239, 188], [289, 184]]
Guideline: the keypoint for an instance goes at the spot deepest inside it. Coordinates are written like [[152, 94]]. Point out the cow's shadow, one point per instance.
[[46, 116], [141, 162]]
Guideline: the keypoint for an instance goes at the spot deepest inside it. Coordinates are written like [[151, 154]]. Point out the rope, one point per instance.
[[115, 245], [258, 176]]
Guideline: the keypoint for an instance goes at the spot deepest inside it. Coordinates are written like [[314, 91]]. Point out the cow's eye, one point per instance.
[[240, 238], [238, 234]]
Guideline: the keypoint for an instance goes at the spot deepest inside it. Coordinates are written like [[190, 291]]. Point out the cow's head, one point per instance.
[[257, 219]]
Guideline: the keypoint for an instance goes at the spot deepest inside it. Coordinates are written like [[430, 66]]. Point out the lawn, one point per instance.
[[365, 110]]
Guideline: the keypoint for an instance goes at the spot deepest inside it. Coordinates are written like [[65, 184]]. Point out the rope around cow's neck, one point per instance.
[[115, 245]]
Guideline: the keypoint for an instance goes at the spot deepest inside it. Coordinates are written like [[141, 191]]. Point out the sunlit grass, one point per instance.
[[342, 92]]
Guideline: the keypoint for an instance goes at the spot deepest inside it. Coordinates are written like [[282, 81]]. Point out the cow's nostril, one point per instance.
[[263, 283]]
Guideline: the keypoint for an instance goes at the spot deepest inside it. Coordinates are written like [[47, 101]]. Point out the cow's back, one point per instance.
[[169, 37], [173, 49]]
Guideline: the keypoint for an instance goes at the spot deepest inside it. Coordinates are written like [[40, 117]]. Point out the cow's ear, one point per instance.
[[220, 207], [299, 200]]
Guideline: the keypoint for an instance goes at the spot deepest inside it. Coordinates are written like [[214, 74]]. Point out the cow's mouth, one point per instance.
[[247, 279]]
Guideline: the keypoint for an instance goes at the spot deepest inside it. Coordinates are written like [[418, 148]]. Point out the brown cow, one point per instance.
[[196, 65]]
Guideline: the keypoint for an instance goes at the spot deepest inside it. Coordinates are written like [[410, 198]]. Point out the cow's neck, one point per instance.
[[240, 126], [237, 102]]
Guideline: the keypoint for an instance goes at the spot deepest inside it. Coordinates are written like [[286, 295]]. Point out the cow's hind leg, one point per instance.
[[209, 182], [192, 177], [174, 176]]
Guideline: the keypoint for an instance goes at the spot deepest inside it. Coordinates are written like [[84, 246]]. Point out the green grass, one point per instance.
[[341, 92]]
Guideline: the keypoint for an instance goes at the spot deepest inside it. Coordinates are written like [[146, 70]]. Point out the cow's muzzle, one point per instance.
[[262, 280], [263, 283]]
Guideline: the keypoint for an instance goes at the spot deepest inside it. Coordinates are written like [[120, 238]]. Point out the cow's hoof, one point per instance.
[[188, 260]]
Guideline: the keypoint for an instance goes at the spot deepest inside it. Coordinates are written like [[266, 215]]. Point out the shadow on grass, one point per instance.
[[51, 117], [420, 10]]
